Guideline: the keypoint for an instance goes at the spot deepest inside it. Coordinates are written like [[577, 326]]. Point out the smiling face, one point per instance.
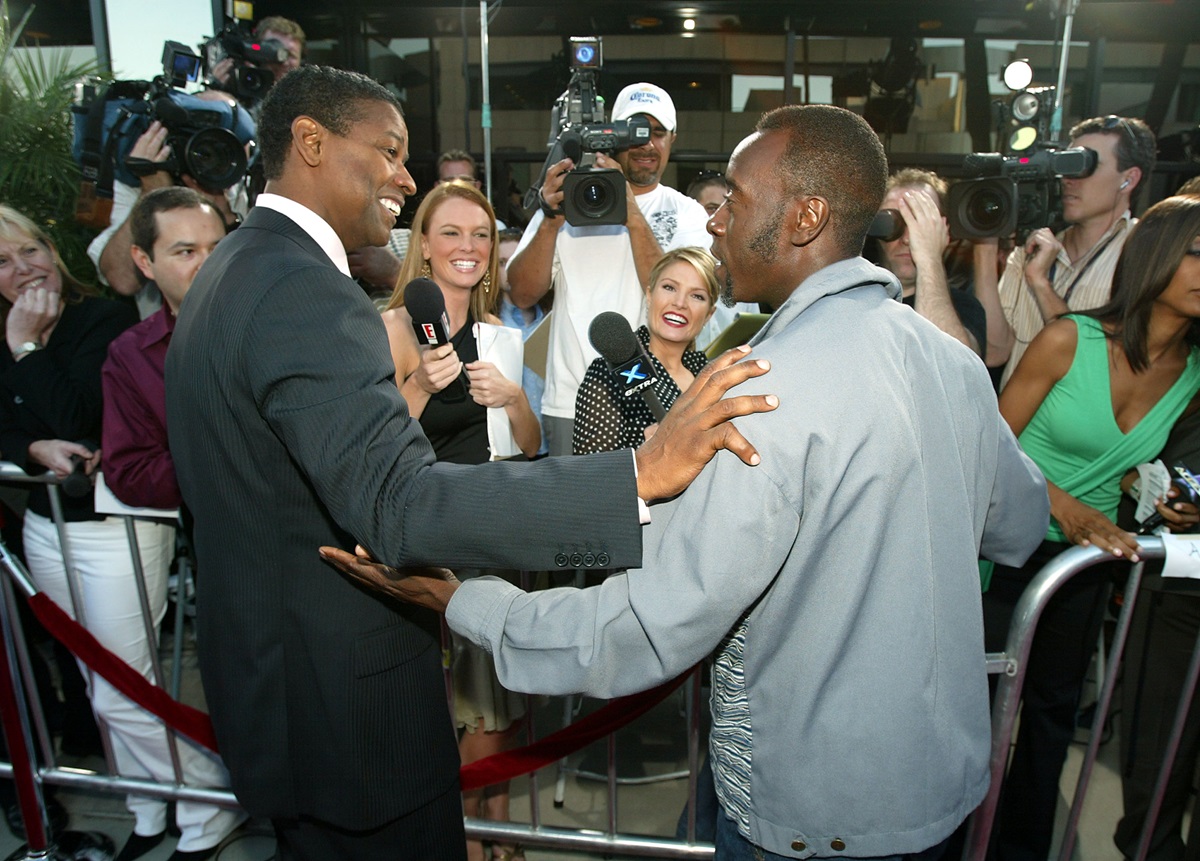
[[748, 228], [679, 304], [644, 165], [457, 242], [26, 264], [364, 181]]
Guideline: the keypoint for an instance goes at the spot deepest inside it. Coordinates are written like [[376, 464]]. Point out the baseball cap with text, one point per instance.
[[645, 99]]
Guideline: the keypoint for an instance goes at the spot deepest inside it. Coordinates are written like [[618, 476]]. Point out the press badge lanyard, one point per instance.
[[1083, 270]]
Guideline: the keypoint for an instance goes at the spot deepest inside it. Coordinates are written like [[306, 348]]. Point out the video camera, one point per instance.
[[591, 195], [1015, 194], [250, 77], [207, 138]]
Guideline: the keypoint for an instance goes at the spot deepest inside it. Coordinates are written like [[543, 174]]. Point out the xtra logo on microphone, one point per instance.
[[635, 375]]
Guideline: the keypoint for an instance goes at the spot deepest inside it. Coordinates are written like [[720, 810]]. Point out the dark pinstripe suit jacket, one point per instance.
[[288, 432]]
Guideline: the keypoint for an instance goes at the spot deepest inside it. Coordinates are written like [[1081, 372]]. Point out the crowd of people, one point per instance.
[[277, 389]]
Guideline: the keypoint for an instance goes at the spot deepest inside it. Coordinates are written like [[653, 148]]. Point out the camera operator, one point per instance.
[[915, 257], [110, 251], [602, 268], [1071, 271], [275, 28]]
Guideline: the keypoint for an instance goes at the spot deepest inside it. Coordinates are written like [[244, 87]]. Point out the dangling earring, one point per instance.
[[426, 272], [486, 283]]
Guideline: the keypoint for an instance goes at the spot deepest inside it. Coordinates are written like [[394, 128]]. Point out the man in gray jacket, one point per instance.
[[838, 581]]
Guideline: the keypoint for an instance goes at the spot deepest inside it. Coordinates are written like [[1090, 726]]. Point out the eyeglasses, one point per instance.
[[709, 174], [460, 178]]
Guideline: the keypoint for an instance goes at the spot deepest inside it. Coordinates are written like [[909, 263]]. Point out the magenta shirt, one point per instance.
[[134, 455]]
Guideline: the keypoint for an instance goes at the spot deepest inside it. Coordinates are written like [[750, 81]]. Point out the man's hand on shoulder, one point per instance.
[[431, 588], [699, 425]]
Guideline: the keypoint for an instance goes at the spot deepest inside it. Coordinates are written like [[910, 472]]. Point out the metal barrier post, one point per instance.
[[1012, 663], [20, 742], [139, 579], [1103, 703]]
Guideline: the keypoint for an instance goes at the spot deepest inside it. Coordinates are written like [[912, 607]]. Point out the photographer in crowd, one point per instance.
[[1053, 274], [286, 34], [111, 249], [915, 257], [602, 268]]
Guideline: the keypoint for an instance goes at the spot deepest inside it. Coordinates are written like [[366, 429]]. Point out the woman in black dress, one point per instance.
[[454, 244], [682, 294]]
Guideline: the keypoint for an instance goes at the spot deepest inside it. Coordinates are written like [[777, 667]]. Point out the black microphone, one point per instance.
[[612, 338], [427, 307], [78, 483]]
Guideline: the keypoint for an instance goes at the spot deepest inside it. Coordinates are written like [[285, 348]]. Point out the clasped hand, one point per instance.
[[59, 456], [438, 368], [31, 316]]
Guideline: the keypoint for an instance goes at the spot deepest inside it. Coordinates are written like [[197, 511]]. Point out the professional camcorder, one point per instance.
[[207, 138], [591, 195], [1014, 194], [250, 78]]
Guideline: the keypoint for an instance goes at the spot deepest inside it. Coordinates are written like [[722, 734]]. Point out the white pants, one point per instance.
[[101, 554]]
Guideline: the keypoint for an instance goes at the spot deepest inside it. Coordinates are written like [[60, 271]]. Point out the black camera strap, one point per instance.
[[1066, 297]]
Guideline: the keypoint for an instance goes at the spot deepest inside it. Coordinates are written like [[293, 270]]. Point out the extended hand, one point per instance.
[[430, 588], [1085, 526], [438, 368], [698, 426]]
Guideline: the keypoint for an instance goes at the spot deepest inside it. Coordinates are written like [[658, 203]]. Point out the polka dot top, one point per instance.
[[605, 419]]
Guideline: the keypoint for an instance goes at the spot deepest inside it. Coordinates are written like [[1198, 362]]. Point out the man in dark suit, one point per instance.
[[289, 432]]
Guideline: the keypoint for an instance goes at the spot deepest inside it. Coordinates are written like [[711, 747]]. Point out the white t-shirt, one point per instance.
[[593, 271]]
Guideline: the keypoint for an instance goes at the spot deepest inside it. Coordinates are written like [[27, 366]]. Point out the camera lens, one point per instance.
[[985, 210], [593, 198], [215, 158]]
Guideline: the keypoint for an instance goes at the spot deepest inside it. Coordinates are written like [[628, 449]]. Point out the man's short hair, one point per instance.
[[705, 179], [282, 26], [832, 153], [456, 155], [907, 177], [509, 234], [333, 97], [143, 220], [1136, 145]]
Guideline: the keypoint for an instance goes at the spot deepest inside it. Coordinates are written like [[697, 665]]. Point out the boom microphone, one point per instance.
[[427, 307], [612, 338]]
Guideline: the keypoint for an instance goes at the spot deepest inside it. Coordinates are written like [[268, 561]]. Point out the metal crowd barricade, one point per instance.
[[23, 691], [1012, 663]]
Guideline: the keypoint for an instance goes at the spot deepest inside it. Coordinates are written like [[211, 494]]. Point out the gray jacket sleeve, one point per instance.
[[641, 628], [1019, 511]]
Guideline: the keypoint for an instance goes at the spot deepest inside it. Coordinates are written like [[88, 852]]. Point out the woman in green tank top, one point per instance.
[[1095, 395]]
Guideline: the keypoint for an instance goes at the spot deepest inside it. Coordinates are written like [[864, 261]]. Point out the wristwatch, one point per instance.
[[26, 348]]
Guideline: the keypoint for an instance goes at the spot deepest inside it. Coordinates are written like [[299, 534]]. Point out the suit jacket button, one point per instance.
[[589, 560], [576, 560], [798, 846], [602, 560], [838, 844], [561, 560]]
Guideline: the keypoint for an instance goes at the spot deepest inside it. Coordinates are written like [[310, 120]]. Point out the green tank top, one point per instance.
[[1074, 438]]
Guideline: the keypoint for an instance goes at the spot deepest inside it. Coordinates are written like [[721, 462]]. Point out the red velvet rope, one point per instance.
[[196, 725], [513, 763], [193, 723]]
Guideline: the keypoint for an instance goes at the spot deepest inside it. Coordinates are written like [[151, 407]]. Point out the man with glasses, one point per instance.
[[1054, 274], [602, 268]]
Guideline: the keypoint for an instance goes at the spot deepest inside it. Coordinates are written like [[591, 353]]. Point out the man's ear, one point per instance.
[[1134, 177], [810, 215], [142, 261], [308, 138]]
